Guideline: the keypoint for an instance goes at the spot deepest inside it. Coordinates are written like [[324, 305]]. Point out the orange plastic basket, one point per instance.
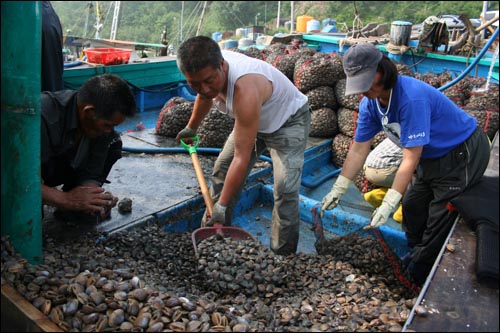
[[108, 56]]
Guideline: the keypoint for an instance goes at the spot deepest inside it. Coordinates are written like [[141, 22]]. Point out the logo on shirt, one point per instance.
[[416, 135]]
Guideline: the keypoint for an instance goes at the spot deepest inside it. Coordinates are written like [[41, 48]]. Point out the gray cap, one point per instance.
[[360, 65]]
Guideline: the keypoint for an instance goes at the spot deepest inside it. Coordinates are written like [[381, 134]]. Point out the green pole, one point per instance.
[[20, 125]]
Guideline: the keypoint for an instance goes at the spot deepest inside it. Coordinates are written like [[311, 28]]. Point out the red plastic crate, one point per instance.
[[108, 56]]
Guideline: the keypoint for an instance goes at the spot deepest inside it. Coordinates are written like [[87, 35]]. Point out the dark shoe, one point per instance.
[[418, 272]]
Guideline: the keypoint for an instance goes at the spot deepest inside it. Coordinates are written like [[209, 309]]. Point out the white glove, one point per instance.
[[218, 215], [389, 205], [331, 200]]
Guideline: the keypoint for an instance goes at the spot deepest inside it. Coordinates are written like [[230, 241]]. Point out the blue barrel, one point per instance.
[[231, 44], [326, 22], [217, 36]]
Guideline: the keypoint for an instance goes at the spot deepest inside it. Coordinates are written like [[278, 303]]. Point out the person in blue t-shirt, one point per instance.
[[442, 147]]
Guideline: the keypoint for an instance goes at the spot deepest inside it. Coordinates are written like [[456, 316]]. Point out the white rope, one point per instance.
[[396, 49]]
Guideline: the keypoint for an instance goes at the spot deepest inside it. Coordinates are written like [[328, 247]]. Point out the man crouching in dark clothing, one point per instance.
[[79, 145]]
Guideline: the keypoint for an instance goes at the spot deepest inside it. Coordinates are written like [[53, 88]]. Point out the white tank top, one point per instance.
[[285, 100]]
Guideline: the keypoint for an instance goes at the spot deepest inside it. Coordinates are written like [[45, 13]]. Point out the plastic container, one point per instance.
[[108, 56], [327, 21], [231, 44], [241, 32], [329, 28], [243, 42], [302, 23], [400, 33], [260, 40], [217, 36], [313, 25]]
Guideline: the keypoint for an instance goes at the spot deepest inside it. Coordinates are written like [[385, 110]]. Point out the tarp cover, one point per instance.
[[478, 206]]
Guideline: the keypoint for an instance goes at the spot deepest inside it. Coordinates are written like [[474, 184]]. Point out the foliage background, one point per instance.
[[144, 21]]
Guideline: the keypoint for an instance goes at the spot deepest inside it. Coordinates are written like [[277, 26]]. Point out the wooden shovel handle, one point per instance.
[[203, 185]]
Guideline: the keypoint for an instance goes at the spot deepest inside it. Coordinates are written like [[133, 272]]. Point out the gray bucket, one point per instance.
[[400, 33]]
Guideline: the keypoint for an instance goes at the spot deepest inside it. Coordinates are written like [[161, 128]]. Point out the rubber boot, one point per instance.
[[375, 197], [398, 214]]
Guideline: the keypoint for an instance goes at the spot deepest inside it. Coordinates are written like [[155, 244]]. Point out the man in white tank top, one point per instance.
[[269, 113]]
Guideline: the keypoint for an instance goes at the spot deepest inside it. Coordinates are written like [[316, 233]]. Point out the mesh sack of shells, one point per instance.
[[378, 138], [320, 54], [476, 82], [445, 77], [486, 120], [304, 51], [347, 120], [310, 73], [456, 94], [338, 67], [323, 123], [323, 96], [215, 129], [254, 52], [483, 100], [175, 119], [166, 107], [340, 147], [465, 85], [238, 266], [285, 63], [364, 253], [351, 101], [404, 69], [275, 48], [362, 183], [430, 78]]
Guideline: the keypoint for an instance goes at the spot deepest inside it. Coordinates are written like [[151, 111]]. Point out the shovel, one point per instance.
[[204, 232]]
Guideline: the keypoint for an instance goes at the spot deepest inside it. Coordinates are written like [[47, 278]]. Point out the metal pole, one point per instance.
[[485, 9], [20, 123], [201, 18], [278, 16], [292, 27], [182, 18]]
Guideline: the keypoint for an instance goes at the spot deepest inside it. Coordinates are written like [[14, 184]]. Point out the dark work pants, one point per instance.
[[426, 219]]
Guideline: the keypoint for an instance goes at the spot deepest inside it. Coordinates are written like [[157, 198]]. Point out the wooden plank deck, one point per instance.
[[19, 315]]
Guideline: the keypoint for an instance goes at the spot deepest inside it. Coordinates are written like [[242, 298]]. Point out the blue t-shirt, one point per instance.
[[425, 116]]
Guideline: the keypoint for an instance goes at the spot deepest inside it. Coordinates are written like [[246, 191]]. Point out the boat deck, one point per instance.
[[455, 300]]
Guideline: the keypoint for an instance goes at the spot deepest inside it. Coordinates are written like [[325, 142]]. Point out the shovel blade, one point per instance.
[[234, 233]]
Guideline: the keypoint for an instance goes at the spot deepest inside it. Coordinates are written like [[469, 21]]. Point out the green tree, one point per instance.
[[143, 21]]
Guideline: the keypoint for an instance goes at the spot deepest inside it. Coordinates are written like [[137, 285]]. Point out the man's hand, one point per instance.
[[187, 132], [107, 209], [331, 200], [389, 204], [218, 215], [89, 199]]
